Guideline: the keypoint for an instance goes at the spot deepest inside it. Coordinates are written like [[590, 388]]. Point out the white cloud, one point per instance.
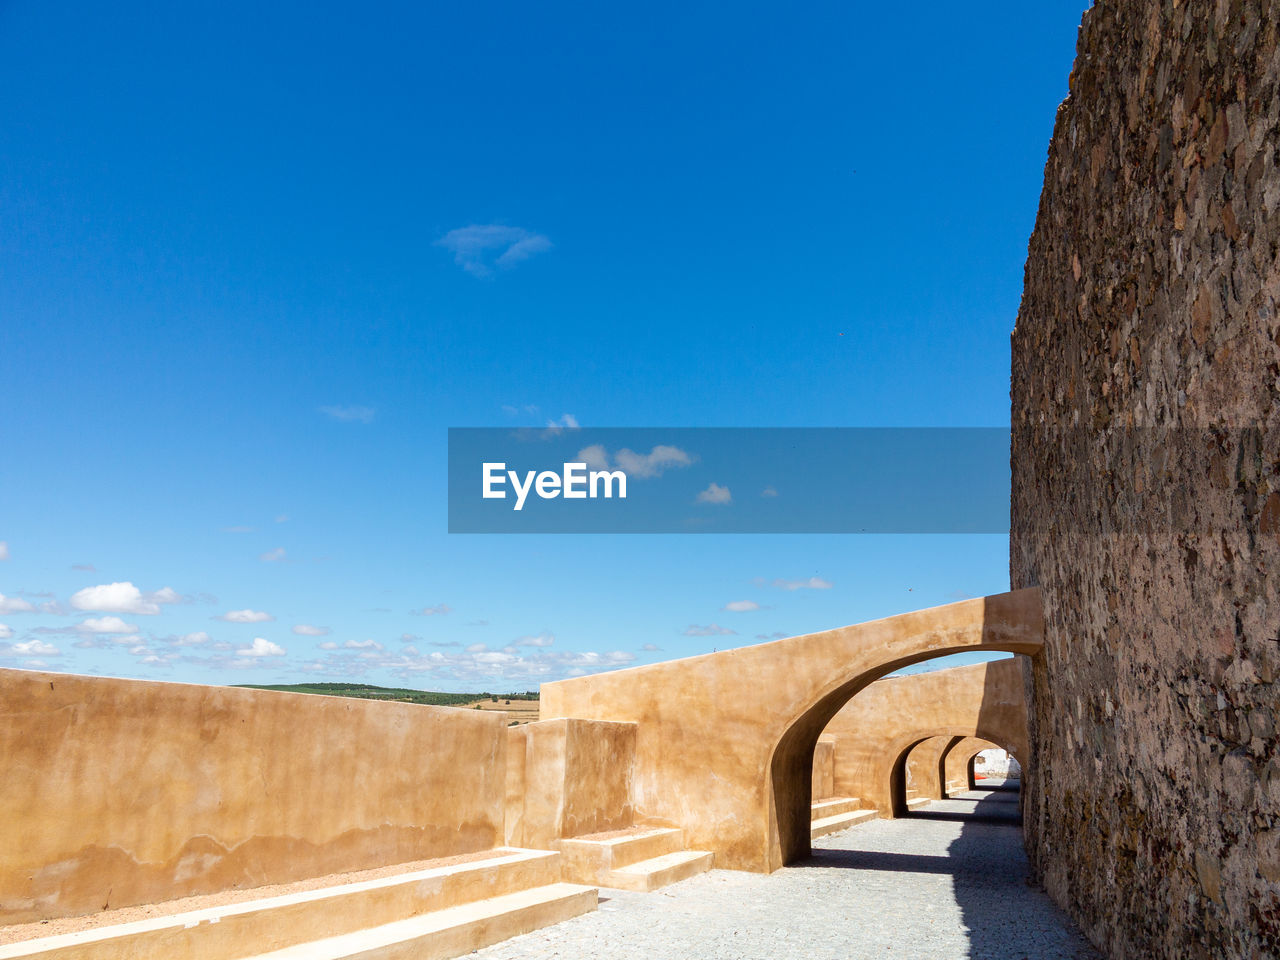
[[650, 647], [596, 457], [328, 645], [86, 567], [105, 625], [477, 648], [14, 605], [710, 630], [653, 463], [741, 606], [197, 639], [474, 247], [362, 645], [566, 422], [123, 597], [245, 616], [261, 648], [769, 492], [31, 648], [307, 630], [272, 556], [440, 609], [350, 414], [776, 635], [813, 583], [6, 631], [715, 494], [4, 550]]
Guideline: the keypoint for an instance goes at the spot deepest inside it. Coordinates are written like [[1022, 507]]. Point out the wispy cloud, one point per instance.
[[4, 550], [769, 491], [6, 631], [479, 248], [715, 494], [539, 640], [776, 635], [85, 567], [741, 606], [307, 630], [650, 648], [245, 616], [812, 583], [273, 556], [652, 464], [710, 630], [350, 414], [439, 610]]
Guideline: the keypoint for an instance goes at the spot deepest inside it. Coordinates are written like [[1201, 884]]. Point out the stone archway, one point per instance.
[[725, 741]]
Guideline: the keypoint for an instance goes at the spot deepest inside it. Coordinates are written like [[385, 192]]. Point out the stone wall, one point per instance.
[[121, 792], [1146, 483]]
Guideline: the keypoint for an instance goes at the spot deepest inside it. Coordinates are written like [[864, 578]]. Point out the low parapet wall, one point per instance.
[[120, 792], [568, 778]]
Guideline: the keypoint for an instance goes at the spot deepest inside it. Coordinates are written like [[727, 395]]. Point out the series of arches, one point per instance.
[[725, 741]]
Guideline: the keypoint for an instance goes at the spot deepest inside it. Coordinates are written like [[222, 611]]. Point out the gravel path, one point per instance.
[[948, 882]]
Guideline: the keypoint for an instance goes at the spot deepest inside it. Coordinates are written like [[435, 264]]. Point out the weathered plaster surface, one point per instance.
[[120, 792], [725, 741], [875, 730], [1146, 483], [568, 778]]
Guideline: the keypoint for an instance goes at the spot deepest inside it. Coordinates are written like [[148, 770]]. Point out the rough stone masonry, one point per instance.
[[1146, 482]]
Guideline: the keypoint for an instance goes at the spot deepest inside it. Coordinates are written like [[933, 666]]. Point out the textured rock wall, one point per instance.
[[1146, 483]]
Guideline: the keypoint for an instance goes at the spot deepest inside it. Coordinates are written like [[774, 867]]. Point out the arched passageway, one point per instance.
[[934, 761], [875, 730], [725, 741]]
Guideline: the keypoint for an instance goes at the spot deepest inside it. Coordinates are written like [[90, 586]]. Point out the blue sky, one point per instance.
[[255, 260]]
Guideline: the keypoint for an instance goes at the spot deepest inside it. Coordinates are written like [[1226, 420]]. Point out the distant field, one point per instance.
[[523, 707]]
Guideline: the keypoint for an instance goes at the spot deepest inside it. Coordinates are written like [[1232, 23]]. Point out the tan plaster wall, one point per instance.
[[725, 741], [892, 715], [568, 778], [824, 768], [120, 792]]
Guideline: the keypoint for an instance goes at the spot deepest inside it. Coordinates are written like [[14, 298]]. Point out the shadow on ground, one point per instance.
[[1004, 915]]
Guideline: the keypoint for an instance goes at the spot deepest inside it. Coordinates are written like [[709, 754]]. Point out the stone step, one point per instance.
[[841, 821], [660, 871], [916, 802], [255, 926], [451, 932], [590, 859], [821, 809]]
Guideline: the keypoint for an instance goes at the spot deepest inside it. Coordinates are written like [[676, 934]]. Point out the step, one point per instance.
[[917, 802], [233, 930], [841, 821], [832, 806], [451, 932], [590, 859], [660, 871]]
